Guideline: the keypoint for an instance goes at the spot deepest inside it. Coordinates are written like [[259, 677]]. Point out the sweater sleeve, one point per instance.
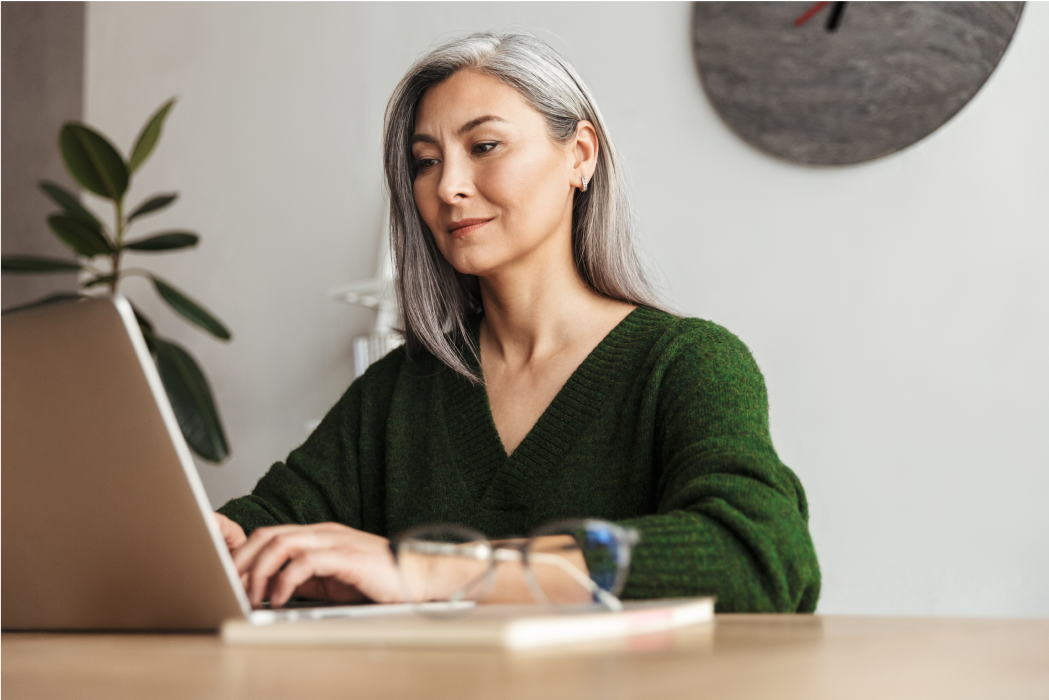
[[319, 481], [731, 519]]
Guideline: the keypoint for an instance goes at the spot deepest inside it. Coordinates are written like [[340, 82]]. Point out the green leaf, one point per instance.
[[99, 279], [79, 236], [46, 301], [147, 140], [190, 309], [93, 161], [170, 240], [34, 264], [191, 399], [70, 204], [153, 204]]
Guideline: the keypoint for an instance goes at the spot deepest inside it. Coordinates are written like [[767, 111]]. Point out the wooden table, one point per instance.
[[740, 656]]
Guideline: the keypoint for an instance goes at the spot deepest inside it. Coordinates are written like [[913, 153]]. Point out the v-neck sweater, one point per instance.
[[663, 428]]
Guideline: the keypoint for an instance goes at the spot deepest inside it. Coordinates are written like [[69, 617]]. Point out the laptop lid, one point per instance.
[[106, 524]]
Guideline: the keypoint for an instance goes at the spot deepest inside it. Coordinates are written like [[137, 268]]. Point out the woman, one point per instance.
[[539, 380]]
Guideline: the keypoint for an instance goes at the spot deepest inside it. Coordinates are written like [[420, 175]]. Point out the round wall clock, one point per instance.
[[833, 83]]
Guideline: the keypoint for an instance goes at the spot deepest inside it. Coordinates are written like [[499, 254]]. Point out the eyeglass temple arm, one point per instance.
[[613, 603]]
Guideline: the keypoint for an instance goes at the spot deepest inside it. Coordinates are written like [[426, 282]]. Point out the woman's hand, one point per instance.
[[231, 532], [326, 561]]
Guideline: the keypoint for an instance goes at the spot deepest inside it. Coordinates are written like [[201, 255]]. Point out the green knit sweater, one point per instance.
[[664, 427]]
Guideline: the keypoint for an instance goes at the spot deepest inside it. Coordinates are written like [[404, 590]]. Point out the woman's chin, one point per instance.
[[473, 263]]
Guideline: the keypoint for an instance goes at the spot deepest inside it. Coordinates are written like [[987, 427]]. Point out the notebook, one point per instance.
[[512, 627]]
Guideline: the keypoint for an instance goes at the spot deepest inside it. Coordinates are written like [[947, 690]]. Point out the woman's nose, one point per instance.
[[456, 183]]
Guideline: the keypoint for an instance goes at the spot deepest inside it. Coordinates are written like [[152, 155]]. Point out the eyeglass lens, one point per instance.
[[564, 558], [444, 563]]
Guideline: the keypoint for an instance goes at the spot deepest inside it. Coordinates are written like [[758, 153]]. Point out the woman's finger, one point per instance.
[[300, 569], [244, 557], [283, 586], [272, 557], [232, 533]]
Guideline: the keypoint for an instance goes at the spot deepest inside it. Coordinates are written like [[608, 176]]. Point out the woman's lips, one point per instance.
[[464, 227]]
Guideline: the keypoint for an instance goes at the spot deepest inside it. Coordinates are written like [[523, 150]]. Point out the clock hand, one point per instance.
[[810, 13], [835, 17]]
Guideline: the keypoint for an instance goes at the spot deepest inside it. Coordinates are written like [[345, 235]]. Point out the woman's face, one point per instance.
[[491, 184]]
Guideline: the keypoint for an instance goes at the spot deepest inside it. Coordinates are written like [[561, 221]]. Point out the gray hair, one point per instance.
[[438, 302]]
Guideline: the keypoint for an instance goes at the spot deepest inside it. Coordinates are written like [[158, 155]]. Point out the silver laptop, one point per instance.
[[106, 524]]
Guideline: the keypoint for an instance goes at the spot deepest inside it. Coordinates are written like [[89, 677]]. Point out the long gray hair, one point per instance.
[[437, 301]]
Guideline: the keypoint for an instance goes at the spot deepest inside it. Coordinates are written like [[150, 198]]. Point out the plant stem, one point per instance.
[[119, 243]]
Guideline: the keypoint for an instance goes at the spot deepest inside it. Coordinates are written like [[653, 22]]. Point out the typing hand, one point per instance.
[[326, 561], [231, 532]]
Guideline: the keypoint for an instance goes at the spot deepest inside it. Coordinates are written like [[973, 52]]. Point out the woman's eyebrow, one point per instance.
[[472, 124]]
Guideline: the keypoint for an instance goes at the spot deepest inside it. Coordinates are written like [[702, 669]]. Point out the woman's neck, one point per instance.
[[534, 312]]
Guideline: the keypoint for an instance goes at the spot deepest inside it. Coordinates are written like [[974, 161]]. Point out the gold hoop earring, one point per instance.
[[583, 188]]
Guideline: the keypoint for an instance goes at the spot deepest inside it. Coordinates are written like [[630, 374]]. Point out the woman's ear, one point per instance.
[[584, 151]]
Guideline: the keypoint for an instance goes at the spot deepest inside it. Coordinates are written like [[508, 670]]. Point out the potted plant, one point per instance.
[[98, 167]]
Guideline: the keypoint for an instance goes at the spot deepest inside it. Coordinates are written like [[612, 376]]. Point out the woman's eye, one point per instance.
[[425, 163], [484, 147]]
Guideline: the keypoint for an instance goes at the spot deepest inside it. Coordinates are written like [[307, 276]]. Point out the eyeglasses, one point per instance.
[[566, 562]]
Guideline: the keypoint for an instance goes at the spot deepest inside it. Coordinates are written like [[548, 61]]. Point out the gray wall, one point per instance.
[[899, 309], [43, 78]]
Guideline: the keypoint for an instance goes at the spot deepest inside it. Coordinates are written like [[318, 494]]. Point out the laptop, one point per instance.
[[106, 525]]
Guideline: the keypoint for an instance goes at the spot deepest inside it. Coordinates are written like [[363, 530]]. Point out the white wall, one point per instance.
[[899, 309]]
